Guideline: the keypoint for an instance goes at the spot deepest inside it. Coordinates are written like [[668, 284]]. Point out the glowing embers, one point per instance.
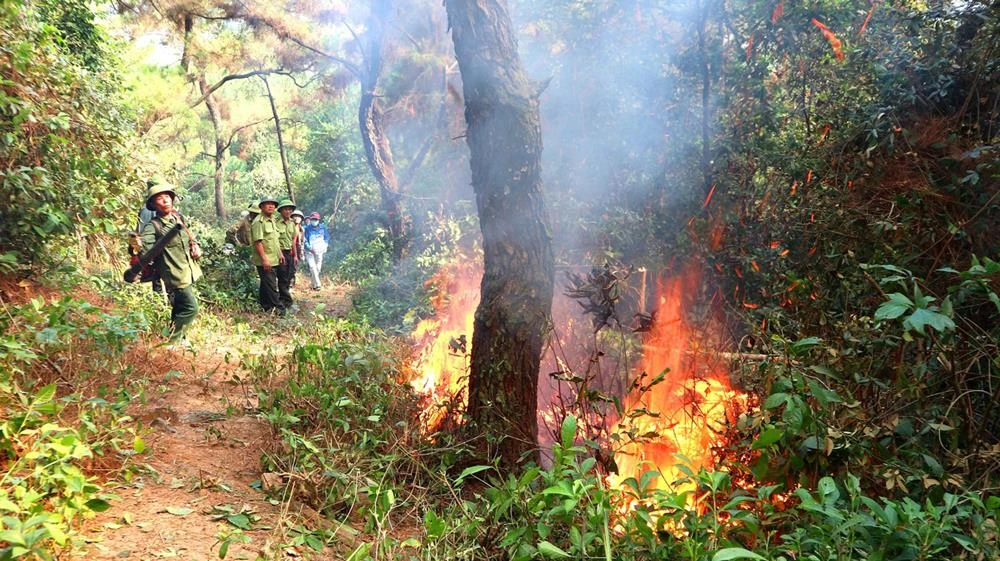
[[681, 407], [444, 342]]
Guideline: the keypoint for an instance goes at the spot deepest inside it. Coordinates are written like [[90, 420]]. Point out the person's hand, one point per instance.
[[281, 259], [266, 264]]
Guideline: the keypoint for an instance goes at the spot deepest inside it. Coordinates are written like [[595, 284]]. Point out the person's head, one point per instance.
[[267, 206], [297, 216], [286, 207], [253, 209], [314, 218], [160, 197]]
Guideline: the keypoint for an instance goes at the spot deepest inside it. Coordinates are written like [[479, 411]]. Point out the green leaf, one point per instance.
[[551, 551], [179, 510], [434, 525], [241, 521], [736, 553], [767, 438], [45, 394], [98, 505], [923, 317], [897, 305], [139, 445], [472, 470], [775, 400], [224, 549], [359, 553], [803, 345], [568, 432]]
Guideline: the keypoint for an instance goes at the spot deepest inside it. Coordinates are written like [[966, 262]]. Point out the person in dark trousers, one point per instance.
[[288, 233], [267, 255], [178, 264]]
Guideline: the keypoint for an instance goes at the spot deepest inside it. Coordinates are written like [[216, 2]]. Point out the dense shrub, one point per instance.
[[64, 132]]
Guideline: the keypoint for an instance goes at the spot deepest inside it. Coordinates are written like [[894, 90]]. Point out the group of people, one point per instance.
[[273, 229], [279, 240]]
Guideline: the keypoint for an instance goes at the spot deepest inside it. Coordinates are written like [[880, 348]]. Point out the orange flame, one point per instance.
[[835, 43], [445, 341], [689, 408]]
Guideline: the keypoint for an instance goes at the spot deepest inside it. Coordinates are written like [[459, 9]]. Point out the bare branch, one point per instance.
[[237, 130], [229, 78]]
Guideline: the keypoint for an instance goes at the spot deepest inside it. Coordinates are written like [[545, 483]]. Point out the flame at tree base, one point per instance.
[[445, 340], [681, 405]]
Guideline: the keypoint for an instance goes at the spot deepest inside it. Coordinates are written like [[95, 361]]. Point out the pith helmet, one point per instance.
[[253, 209], [155, 190], [298, 213], [286, 202], [267, 200]]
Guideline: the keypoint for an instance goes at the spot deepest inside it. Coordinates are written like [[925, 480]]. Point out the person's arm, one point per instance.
[[257, 239], [259, 246]]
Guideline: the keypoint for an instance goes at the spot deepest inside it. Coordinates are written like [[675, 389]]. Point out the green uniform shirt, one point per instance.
[[287, 230], [176, 266], [266, 230]]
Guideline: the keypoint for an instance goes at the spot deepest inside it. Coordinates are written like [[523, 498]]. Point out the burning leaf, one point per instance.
[[779, 10], [835, 43]]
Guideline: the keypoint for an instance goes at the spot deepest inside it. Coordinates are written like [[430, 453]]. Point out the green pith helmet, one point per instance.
[[286, 202], [267, 200], [155, 190], [253, 208]]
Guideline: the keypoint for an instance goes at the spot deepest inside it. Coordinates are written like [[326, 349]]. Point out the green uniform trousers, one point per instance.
[[183, 309]]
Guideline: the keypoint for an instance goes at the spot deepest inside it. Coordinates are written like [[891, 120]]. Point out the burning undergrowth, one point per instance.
[[650, 388]]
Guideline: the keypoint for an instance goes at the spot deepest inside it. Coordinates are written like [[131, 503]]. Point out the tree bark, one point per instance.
[[378, 151], [281, 142], [514, 314], [220, 144]]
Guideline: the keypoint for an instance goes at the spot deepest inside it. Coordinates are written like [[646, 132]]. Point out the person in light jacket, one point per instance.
[[317, 239]]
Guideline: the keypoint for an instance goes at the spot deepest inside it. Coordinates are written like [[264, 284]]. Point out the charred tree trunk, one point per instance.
[[281, 142], [220, 144], [514, 314], [370, 120]]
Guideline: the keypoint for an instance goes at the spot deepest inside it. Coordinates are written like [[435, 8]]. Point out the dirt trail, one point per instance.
[[203, 457]]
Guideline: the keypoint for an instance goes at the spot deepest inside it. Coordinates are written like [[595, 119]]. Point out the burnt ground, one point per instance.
[[202, 462]]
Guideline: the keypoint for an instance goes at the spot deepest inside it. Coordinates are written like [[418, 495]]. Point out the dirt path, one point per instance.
[[201, 475]]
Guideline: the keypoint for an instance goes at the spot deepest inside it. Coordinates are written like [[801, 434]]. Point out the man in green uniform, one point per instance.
[[239, 233], [288, 238], [267, 255], [178, 264]]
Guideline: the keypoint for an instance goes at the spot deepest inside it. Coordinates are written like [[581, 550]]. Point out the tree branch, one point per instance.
[[236, 131], [229, 78]]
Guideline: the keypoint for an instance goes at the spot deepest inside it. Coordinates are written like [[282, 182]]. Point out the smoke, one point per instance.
[[620, 117]]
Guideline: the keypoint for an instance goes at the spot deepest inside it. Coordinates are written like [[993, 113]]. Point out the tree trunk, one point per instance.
[[220, 144], [514, 314], [370, 120], [281, 142]]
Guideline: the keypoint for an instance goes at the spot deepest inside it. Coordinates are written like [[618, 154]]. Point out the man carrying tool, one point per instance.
[[177, 264], [267, 256]]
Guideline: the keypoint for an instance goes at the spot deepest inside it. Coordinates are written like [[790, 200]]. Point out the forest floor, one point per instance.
[[201, 476]]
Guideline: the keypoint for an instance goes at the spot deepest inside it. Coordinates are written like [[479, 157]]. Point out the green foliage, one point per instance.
[[343, 418], [51, 442], [230, 280], [64, 132]]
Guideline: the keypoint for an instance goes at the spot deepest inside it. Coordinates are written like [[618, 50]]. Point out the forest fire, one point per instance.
[[688, 408], [444, 342]]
